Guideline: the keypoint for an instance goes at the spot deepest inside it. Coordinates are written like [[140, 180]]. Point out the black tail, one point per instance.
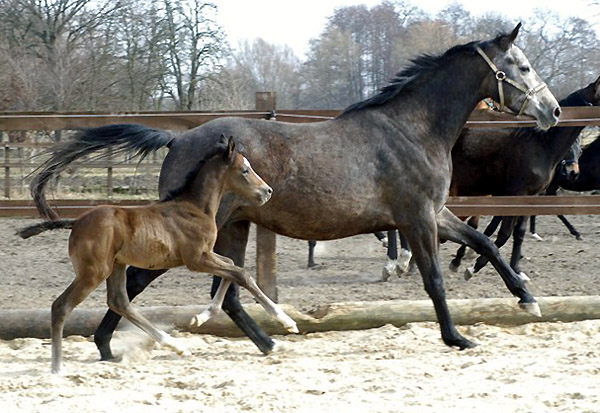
[[36, 229], [121, 138]]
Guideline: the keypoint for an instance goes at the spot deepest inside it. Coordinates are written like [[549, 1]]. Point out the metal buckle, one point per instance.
[[500, 75]]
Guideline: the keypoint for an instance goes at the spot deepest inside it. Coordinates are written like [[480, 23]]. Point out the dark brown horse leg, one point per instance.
[[532, 230], [311, 254], [503, 235], [570, 227], [423, 240], [231, 242], [518, 237], [137, 280], [453, 229]]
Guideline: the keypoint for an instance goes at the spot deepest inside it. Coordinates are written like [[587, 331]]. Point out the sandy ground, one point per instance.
[[538, 367]]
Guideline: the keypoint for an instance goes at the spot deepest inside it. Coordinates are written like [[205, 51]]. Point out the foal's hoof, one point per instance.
[[453, 267], [532, 308], [199, 319], [469, 273]]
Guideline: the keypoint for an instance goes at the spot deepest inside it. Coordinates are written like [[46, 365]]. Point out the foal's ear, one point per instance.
[[507, 40], [230, 147]]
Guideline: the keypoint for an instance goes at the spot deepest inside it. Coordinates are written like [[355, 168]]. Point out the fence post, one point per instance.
[[266, 240], [109, 175], [6, 172]]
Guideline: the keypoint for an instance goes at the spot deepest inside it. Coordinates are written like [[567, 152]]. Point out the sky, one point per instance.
[[295, 22]]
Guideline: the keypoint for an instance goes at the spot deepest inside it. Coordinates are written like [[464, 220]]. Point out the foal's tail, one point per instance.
[[36, 229], [120, 138]]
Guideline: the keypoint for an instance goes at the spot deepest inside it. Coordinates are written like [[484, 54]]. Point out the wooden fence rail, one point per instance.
[[265, 109]]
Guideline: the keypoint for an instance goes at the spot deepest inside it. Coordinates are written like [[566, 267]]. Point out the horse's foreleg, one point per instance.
[[453, 229], [137, 280], [570, 227], [231, 242], [118, 301], [423, 240]]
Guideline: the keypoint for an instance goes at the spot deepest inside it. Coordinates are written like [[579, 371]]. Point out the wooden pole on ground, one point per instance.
[[334, 317], [266, 240]]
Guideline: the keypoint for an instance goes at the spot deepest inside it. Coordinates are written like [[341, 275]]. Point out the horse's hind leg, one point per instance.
[[224, 267], [423, 240], [214, 307], [75, 293], [506, 229], [137, 280], [231, 242], [570, 227], [518, 237], [120, 304], [453, 229]]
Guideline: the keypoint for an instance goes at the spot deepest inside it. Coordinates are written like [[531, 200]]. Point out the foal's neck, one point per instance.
[[207, 189]]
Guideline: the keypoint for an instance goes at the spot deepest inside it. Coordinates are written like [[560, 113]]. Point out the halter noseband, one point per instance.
[[501, 77]]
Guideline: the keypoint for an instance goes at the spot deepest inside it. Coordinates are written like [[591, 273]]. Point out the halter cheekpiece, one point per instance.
[[501, 78]]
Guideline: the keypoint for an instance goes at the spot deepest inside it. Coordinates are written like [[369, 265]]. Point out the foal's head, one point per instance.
[[515, 83], [241, 179]]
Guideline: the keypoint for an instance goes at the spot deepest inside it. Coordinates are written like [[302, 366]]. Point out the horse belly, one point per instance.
[[150, 254]]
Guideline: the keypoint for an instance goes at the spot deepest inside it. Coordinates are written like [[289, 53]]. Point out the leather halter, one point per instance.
[[501, 77]]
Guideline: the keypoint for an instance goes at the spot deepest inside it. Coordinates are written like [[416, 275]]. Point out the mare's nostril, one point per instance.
[[557, 111], [270, 191]]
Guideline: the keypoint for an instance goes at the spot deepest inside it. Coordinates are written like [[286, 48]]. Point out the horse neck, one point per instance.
[[442, 101], [207, 188]]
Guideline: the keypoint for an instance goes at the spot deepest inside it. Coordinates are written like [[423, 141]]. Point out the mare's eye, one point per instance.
[[510, 61]]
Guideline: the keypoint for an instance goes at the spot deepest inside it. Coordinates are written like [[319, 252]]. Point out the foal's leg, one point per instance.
[[392, 255], [231, 242], [137, 280], [224, 267], [532, 231], [214, 307], [75, 293], [453, 229], [118, 301], [423, 240]]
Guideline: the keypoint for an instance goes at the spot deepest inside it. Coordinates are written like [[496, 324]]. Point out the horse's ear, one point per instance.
[[230, 147], [507, 40]]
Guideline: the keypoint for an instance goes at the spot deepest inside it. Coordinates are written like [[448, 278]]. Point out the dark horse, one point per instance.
[[587, 179], [340, 178], [514, 162]]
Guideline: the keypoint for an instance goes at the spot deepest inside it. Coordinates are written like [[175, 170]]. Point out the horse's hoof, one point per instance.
[[531, 308], [384, 242], [404, 260], [453, 267], [385, 274], [292, 329], [523, 276], [460, 342], [578, 237], [469, 273], [536, 237]]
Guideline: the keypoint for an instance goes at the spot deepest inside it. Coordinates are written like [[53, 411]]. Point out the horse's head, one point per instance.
[[513, 82], [241, 179], [568, 168]]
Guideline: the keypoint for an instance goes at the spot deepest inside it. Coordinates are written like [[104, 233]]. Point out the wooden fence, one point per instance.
[[266, 109]]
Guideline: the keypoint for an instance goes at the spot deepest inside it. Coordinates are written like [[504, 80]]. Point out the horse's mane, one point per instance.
[[420, 66], [215, 146]]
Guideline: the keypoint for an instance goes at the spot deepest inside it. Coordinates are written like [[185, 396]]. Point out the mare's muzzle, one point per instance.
[[570, 170]]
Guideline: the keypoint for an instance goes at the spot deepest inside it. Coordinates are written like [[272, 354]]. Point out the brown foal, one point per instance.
[[181, 231]]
